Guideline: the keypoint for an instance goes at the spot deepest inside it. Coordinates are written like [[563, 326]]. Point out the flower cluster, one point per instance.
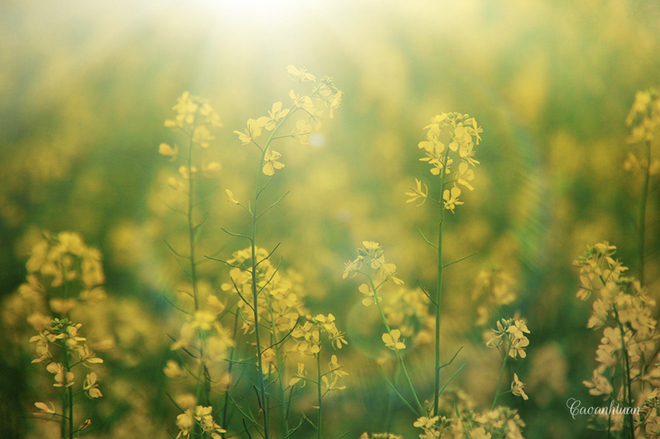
[[644, 116], [202, 416], [625, 311], [308, 340], [500, 423], [450, 138], [493, 288], [309, 335], [324, 93], [278, 297], [196, 120], [511, 333], [70, 350], [408, 310], [433, 427], [371, 256], [63, 271]]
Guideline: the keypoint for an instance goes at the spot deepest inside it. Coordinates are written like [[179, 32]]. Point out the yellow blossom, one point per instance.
[[252, 131], [451, 198], [274, 116], [417, 193], [230, 197], [517, 387], [271, 162], [300, 75], [168, 151], [392, 340], [91, 386]]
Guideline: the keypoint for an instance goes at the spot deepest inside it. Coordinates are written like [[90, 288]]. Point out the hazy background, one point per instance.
[[85, 88]]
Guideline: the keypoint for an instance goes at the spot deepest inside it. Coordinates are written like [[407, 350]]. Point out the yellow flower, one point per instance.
[[251, 133], [301, 375], [465, 175], [300, 75], [91, 386], [598, 384], [392, 340], [230, 197], [48, 409], [366, 290], [517, 387], [304, 102], [271, 162], [185, 422], [336, 368], [335, 103], [417, 193], [274, 116], [351, 268], [301, 132], [202, 136], [451, 198], [211, 168], [168, 151], [62, 377], [173, 370]]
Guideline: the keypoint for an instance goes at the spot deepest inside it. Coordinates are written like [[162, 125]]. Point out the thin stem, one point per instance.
[[438, 294], [499, 384], [398, 354], [319, 394], [642, 214], [628, 423]]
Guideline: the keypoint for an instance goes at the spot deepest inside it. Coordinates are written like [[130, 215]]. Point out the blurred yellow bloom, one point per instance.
[[367, 291], [336, 368], [303, 102], [465, 175], [252, 131], [173, 370], [598, 384], [300, 75], [202, 136], [418, 193], [301, 132], [211, 168], [271, 162], [392, 340], [168, 151], [230, 197], [300, 375], [274, 116]]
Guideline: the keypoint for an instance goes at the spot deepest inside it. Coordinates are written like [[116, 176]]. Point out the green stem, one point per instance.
[[225, 423], [398, 354], [628, 423], [68, 396], [438, 294], [642, 214], [499, 384], [255, 292], [319, 394]]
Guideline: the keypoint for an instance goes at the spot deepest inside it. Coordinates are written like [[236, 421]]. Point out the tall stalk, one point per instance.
[[642, 213], [438, 293], [253, 270]]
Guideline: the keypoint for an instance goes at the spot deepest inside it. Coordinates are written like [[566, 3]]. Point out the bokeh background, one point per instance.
[[85, 89]]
